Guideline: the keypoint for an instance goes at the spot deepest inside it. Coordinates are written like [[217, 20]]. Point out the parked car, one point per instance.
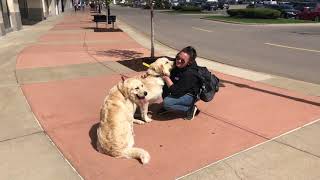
[[195, 3], [174, 3], [235, 1], [301, 5], [287, 10], [222, 4], [255, 5], [270, 2], [210, 6], [310, 14]]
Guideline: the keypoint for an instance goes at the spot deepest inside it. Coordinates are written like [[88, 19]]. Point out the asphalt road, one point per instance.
[[289, 51]]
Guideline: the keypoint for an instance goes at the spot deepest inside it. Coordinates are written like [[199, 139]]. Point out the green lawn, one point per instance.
[[255, 21]]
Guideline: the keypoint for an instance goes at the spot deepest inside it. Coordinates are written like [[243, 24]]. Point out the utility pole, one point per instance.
[[152, 28]]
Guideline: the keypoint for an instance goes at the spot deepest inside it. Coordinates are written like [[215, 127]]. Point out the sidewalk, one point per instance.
[[251, 130]]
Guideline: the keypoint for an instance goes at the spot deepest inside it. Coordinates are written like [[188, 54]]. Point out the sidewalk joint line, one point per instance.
[[298, 149], [235, 172], [18, 137]]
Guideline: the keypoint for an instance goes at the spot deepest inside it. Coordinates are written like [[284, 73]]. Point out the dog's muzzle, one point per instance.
[[144, 95]]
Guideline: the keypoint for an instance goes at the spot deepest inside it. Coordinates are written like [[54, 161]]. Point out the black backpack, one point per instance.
[[209, 84]]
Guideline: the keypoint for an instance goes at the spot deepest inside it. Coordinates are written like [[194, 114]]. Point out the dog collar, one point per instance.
[[153, 75]]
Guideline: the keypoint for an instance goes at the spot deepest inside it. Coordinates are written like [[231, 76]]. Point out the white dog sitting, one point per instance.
[[115, 131], [154, 83]]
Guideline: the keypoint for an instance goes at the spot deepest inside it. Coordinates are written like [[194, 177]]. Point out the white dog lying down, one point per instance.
[[154, 83], [115, 131]]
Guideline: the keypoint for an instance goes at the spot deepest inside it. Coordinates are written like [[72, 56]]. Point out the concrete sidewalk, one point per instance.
[[253, 129]]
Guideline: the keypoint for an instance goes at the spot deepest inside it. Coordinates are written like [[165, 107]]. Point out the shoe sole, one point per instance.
[[194, 112]]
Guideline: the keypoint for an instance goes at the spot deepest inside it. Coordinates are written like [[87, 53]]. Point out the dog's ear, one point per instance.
[[122, 87], [123, 78], [161, 69], [152, 70]]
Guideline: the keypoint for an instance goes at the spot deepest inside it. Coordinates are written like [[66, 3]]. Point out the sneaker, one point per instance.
[[197, 112], [192, 112]]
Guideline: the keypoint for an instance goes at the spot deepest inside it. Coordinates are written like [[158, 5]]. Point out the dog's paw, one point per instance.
[[148, 119], [145, 158], [137, 121]]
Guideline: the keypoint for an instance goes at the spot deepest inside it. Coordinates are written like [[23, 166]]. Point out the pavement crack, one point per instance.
[[234, 171], [18, 137], [298, 149]]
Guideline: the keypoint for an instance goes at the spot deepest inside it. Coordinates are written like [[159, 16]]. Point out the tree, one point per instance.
[[108, 6], [152, 27]]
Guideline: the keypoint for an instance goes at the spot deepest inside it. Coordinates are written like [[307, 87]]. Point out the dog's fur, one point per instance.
[[154, 84], [115, 131]]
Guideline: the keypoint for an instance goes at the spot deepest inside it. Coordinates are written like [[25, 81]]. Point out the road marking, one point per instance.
[[201, 29], [289, 47]]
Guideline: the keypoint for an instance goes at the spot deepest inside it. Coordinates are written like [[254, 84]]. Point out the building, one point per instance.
[[16, 13]]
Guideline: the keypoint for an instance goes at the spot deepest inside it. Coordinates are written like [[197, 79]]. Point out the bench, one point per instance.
[[112, 19], [103, 18], [99, 18]]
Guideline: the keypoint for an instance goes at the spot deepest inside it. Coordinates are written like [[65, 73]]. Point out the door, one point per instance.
[[23, 7]]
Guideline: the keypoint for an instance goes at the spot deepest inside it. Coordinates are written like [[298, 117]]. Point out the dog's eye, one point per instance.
[[137, 88], [167, 62]]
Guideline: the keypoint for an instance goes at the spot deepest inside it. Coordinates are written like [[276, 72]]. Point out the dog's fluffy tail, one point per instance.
[[137, 153]]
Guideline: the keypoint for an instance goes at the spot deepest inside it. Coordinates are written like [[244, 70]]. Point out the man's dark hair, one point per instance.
[[191, 52]]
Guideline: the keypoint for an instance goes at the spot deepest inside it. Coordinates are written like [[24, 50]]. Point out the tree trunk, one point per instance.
[[152, 29]]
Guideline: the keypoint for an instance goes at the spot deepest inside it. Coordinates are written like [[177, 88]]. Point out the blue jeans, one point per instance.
[[183, 103]]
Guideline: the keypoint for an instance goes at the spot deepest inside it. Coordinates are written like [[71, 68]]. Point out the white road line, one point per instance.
[[252, 147], [201, 29], [289, 47]]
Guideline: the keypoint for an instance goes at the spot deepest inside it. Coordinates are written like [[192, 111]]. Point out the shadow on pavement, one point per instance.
[[153, 111], [136, 63], [93, 135], [95, 29], [273, 93], [122, 54]]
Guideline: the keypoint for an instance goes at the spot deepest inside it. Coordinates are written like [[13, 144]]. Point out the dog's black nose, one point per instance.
[[145, 93]]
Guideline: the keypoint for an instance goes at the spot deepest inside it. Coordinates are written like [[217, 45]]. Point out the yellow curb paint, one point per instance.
[[289, 47], [201, 29], [145, 64]]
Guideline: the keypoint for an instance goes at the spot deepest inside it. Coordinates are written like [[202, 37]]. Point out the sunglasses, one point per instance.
[[181, 60]]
